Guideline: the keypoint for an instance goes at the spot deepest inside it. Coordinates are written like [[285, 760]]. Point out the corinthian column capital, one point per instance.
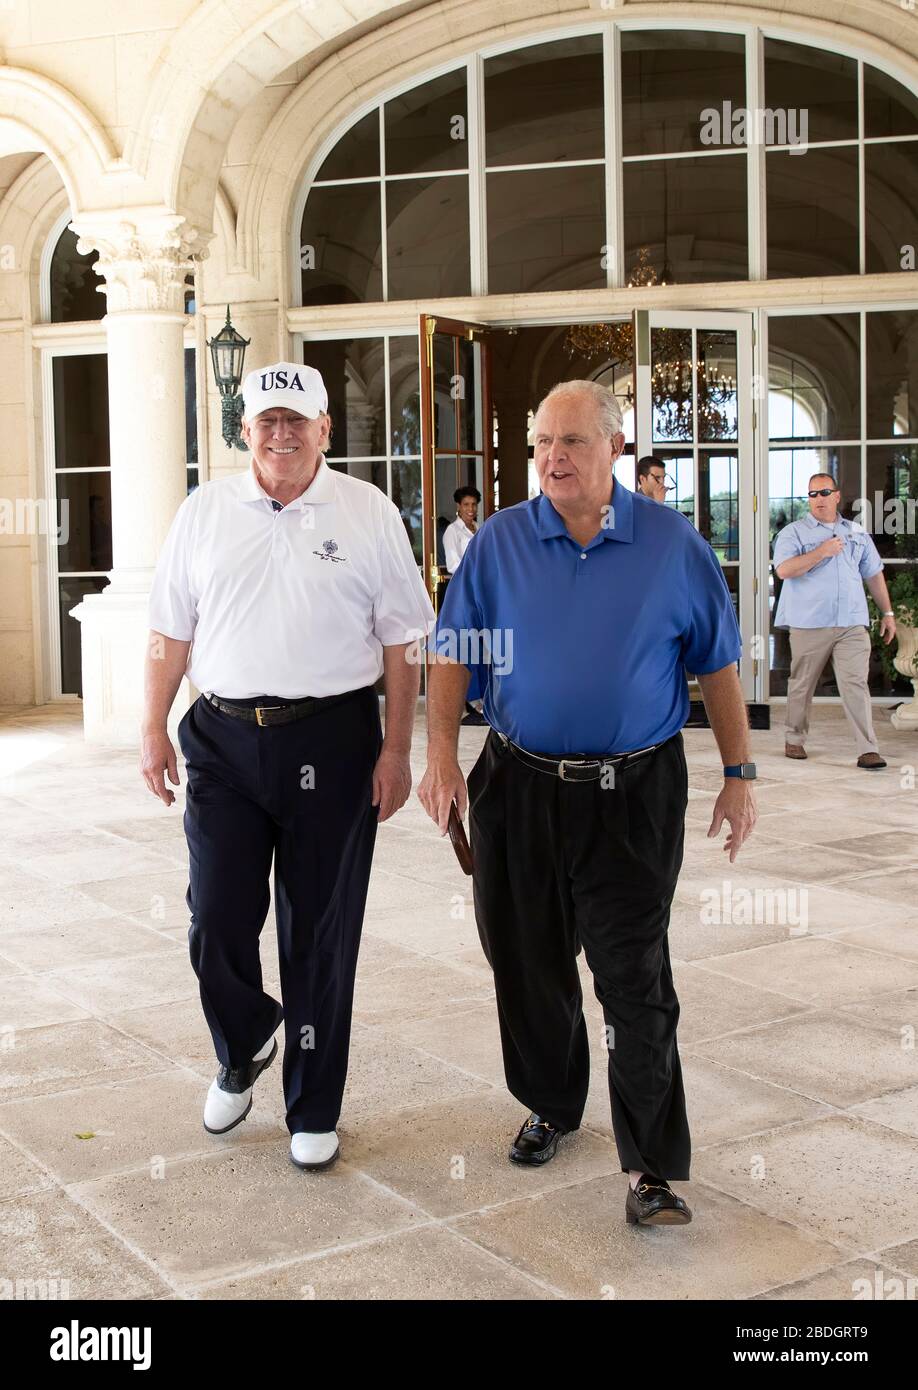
[[143, 261]]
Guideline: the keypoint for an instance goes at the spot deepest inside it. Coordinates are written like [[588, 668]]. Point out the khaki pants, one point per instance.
[[849, 648]]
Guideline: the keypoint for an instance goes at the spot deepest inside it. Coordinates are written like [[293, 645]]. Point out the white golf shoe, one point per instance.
[[229, 1099], [314, 1150]]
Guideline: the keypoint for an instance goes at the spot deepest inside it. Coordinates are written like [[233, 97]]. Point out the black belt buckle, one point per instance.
[[576, 762]]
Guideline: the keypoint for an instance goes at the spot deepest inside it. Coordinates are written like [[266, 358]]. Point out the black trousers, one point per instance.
[[298, 794], [559, 864]]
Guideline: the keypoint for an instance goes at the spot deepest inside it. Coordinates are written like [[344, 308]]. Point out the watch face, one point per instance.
[[748, 772]]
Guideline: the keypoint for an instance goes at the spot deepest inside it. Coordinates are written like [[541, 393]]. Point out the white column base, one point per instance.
[[906, 716], [114, 634]]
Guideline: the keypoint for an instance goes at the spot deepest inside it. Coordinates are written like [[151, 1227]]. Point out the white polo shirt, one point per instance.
[[456, 540], [294, 602]]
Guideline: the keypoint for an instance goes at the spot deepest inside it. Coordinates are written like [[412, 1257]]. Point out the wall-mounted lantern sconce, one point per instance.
[[227, 351]]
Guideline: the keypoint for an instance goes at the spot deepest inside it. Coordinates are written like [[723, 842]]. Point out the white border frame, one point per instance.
[[51, 605], [91, 343], [741, 323]]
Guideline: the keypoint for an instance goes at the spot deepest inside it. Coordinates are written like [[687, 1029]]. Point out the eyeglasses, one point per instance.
[[822, 492], [666, 481]]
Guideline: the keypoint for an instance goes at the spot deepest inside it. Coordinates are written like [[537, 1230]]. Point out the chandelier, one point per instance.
[[612, 340], [671, 380], [671, 390], [643, 273]]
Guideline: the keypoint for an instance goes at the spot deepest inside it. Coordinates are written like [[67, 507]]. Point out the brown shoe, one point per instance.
[[872, 761], [794, 750]]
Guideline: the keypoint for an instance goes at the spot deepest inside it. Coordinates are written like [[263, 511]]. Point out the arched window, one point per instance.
[[72, 285], [474, 181], [73, 281]]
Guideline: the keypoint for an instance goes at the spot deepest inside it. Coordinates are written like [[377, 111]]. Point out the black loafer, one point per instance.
[[537, 1141], [653, 1203]]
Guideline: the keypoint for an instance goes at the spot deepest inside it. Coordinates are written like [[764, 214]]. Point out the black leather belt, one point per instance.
[[284, 712], [574, 769]]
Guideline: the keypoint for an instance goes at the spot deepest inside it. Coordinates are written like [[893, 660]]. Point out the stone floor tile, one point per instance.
[[428, 1264], [213, 1218], [839, 1178], [576, 1237]]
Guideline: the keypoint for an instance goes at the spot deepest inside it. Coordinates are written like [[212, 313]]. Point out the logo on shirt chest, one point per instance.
[[328, 552]]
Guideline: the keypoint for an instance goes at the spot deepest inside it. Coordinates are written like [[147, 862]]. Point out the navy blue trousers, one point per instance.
[[299, 795]]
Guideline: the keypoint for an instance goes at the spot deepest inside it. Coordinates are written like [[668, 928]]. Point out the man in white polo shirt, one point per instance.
[[294, 588]]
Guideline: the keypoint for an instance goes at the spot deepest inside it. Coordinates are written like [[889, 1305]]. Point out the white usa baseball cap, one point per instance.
[[288, 384]]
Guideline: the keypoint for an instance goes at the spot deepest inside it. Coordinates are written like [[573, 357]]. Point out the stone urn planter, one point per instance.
[[906, 663]]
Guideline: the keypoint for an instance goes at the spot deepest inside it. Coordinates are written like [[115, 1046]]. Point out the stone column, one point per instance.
[[144, 264]]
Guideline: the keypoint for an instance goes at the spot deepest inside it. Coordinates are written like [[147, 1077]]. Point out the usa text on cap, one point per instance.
[[287, 384]]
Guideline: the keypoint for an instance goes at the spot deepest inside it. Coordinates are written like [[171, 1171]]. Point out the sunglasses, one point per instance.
[[822, 492]]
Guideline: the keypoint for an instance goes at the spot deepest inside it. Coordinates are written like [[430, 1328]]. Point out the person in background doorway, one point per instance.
[[456, 540], [650, 478], [459, 533], [824, 562]]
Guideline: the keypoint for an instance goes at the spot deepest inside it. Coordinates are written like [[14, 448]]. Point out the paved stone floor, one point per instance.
[[797, 971]]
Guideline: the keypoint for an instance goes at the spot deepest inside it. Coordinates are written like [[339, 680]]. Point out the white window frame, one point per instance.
[[862, 308], [80, 338], [91, 345]]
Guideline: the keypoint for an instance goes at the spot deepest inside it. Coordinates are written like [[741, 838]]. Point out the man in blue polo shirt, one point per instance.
[[580, 611], [825, 561]]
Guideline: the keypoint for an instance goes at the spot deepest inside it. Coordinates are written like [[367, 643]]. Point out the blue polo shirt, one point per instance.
[[583, 649], [831, 594]]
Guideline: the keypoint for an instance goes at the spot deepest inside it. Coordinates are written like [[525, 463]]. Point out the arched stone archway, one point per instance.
[[49, 119], [28, 210], [222, 57], [213, 67]]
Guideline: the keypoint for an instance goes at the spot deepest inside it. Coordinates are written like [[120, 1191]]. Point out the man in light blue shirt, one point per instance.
[[825, 561]]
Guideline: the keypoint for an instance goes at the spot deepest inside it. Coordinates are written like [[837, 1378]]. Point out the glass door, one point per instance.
[[694, 411], [456, 432]]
